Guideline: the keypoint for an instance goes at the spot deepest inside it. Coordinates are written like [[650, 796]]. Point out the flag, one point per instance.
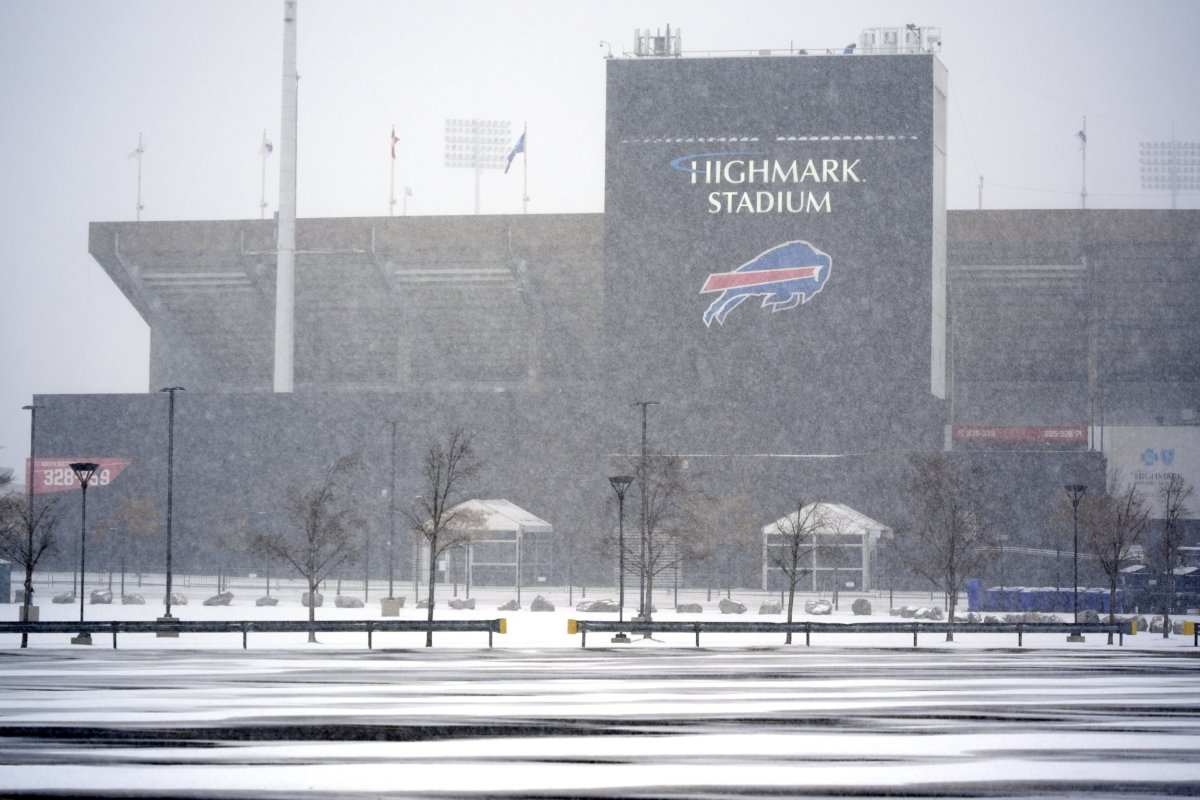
[[394, 140], [267, 148], [519, 147], [1082, 137]]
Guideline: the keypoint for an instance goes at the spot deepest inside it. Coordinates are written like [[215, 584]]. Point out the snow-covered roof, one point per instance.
[[503, 516], [836, 519]]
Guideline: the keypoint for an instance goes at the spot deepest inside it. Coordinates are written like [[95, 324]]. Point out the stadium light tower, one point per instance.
[[478, 144], [1173, 166], [620, 485]]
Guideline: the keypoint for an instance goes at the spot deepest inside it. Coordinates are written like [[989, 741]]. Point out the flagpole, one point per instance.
[[525, 170], [262, 203], [138, 153], [392, 181], [1083, 191]]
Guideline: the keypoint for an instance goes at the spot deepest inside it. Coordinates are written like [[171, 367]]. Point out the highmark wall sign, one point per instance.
[[775, 234], [747, 183], [1147, 456]]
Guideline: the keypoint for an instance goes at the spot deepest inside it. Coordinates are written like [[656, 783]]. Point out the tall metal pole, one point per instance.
[[620, 485], [84, 470], [29, 516], [392, 518], [644, 602], [285, 271], [170, 390], [1075, 492]]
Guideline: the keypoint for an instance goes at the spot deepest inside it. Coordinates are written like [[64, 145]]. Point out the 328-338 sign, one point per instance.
[[56, 475]]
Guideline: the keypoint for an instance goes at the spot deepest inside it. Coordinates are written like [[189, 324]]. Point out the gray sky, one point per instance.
[[80, 80]]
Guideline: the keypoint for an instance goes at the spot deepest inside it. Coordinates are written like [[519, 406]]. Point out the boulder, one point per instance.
[[599, 606], [818, 607], [1142, 624], [541, 604], [177, 599], [317, 601], [222, 599], [929, 612], [511, 605], [100, 597], [1088, 616], [972, 618], [861, 607], [462, 603], [423, 603], [770, 607], [344, 601], [908, 612], [63, 597], [689, 608], [1156, 625], [991, 620], [267, 600], [728, 606], [1177, 626], [132, 600]]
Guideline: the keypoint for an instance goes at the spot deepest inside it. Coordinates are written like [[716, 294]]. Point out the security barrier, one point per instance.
[[809, 628], [370, 627]]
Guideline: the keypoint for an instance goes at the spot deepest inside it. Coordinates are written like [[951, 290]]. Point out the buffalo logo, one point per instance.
[[786, 276]]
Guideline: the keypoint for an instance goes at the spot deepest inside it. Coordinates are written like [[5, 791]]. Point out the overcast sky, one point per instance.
[[201, 81]]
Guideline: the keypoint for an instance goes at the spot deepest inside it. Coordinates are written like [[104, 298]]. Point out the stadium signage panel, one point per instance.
[[55, 474], [1073, 434], [752, 169]]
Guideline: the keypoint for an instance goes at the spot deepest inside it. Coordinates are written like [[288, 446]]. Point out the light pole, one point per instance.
[[84, 470], [170, 390], [620, 485], [645, 603], [1075, 492], [32, 409]]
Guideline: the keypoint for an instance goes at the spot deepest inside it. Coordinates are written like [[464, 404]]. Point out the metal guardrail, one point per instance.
[[370, 627], [809, 628]]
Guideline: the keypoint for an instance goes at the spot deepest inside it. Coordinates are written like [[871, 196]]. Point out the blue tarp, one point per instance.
[[1045, 599]]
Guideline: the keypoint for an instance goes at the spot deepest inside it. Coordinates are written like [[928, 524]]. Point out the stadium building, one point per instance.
[[775, 268]]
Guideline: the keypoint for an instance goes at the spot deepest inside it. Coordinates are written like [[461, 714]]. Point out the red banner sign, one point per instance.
[[1071, 434], [56, 475]]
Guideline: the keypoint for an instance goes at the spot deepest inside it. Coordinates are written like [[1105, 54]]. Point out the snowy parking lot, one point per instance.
[[862, 714]]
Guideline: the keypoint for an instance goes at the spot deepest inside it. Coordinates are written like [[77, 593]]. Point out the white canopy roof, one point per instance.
[[502, 516], [834, 519]]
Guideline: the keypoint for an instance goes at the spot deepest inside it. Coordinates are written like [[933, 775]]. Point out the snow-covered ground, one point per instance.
[[863, 714]]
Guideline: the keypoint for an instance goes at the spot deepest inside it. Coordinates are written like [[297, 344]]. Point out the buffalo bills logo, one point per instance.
[[785, 276]]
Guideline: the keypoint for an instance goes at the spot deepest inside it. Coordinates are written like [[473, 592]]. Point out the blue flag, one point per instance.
[[519, 147]]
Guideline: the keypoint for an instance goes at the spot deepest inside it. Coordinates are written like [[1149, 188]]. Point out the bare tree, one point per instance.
[[949, 536], [716, 527], [326, 532], [25, 537], [446, 475], [666, 500], [792, 547], [1110, 525], [1174, 495], [135, 519]]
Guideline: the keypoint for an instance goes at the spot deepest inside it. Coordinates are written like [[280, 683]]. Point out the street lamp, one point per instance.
[[646, 602], [25, 612], [620, 485], [170, 390], [1075, 492], [84, 470]]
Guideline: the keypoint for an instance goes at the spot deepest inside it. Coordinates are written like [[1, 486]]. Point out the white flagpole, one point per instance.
[[525, 170], [1083, 191], [392, 181], [138, 154], [262, 203]]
